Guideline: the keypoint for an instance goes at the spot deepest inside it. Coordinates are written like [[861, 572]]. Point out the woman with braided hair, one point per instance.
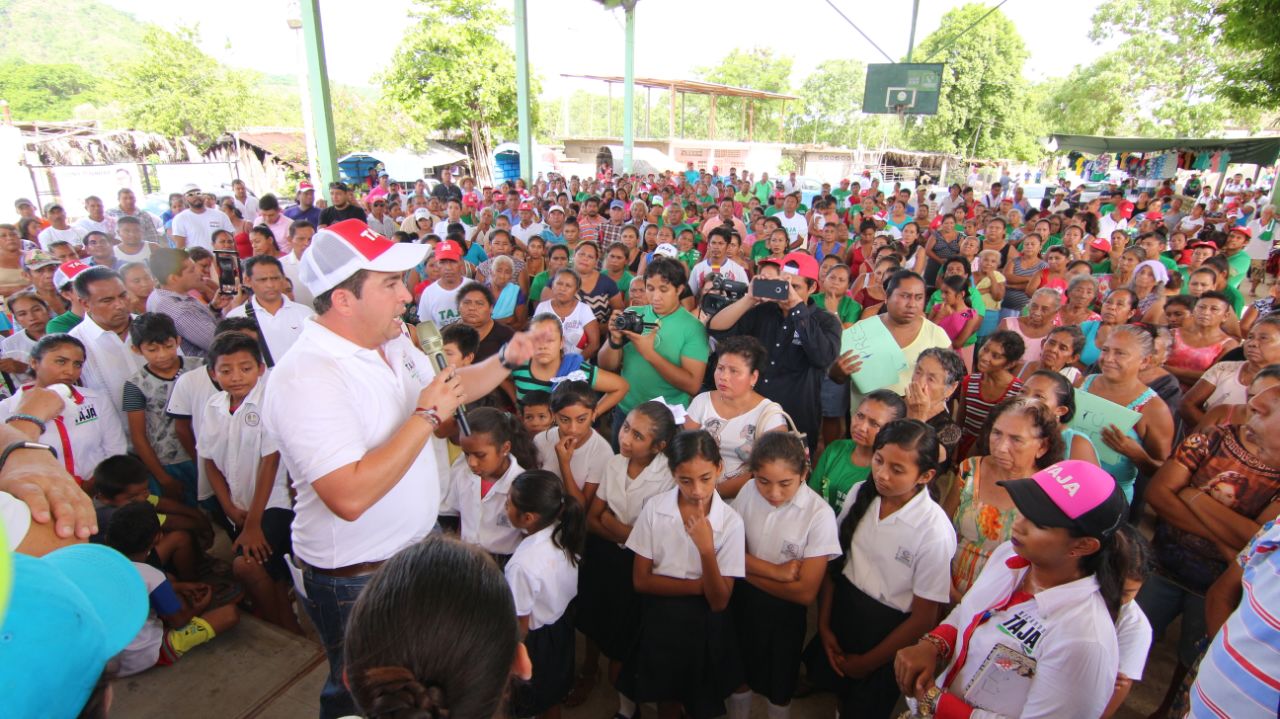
[[434, 635]]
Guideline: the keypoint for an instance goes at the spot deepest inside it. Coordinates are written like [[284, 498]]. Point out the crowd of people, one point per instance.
[[654, 412]]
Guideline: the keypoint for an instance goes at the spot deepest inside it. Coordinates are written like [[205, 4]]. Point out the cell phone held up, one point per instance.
[[777, 290], [228, 264]]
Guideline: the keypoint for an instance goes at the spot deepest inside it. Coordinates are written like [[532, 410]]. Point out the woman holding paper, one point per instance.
[[1143, 445]]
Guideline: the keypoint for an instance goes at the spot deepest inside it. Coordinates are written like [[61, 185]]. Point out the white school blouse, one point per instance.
[[659, 535], [1133, 638], [484, 519], [543, 581], [587, 463], [625, 496], [1064, 635], [87, 431], [905, 555], [802, 528]]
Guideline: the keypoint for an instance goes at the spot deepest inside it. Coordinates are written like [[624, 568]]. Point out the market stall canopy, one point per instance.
[[401, 165], [1245, 151]]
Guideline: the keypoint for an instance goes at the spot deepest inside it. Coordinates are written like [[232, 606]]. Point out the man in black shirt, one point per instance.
[[340, 208], [802, 340], [446, 190]]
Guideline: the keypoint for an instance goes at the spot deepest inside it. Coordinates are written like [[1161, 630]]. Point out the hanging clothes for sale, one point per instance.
[[1202, 161]]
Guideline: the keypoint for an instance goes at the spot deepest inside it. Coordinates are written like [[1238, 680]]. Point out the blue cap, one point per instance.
[[618, 204], [70, 612]]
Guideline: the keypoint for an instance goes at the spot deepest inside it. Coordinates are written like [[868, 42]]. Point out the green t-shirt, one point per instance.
[[849, 311], [1169, 264], [771, 211], [1053, 241], [579, 197], [759, 250], [624, 285], [64, 322], [1237, 268], [841, 196], [1237, 299], [763, 191], [1101, 268], [681, 335], [690, 258], [975, 299], [835, 476], [536, 286]]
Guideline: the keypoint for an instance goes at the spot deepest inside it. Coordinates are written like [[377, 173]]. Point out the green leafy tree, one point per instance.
[[1092, 100], [44, 92], [175, 89], [452, 72], [1171, 52], [1251, 31], [981, 105], [757, 69], [830, 104]]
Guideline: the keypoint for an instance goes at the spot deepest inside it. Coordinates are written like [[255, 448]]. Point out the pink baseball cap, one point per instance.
[[1071, 494], [448, 250], [340, 250], [800, 263]]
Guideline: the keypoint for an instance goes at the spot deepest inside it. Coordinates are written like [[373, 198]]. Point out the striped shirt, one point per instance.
[[1240, 673], [525, 381], [976, 408]]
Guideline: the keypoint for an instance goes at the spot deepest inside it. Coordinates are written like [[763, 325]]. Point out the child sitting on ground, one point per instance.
[[122, 480], [244, 470], [180, 618]]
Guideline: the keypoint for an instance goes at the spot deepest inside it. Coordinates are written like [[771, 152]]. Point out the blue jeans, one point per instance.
[[328, 602], [188, 477], [1162, 601]]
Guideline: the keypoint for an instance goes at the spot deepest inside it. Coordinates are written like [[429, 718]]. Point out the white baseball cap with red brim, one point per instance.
[[340, 250]]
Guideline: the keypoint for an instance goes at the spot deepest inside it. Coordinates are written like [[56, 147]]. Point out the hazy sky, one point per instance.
[[674, 37]]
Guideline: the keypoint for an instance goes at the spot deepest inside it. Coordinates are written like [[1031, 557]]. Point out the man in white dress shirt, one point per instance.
[[110, 359], [300, 233], [280, 318], [353, 408]]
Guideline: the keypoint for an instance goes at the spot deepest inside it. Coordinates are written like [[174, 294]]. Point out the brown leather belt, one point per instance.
[[351, 570]]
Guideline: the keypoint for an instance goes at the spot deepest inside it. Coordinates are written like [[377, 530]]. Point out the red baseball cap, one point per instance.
[[1155, 215], [305, 186], [800, 263], [1100, 243], [470, 201], [340, 250], [1126, 209], [526, 207], [448, 250], [1203, 243], [67, 272], [1240, 230]]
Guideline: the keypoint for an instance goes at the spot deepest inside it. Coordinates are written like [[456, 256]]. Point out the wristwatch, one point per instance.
[[4, 456]]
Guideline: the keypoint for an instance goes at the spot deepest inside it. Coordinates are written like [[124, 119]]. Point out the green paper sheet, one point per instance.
[[882, 358], [1093, 413]]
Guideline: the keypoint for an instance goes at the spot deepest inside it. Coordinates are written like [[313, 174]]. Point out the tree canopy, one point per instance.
[[45, 92], [982, 106]]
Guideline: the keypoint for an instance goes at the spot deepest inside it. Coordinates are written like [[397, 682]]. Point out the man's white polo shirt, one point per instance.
[[109, 361], [280, 330], [329, 402], [301, 294]]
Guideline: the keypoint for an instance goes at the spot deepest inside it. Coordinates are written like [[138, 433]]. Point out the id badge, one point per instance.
[[1002, 683]]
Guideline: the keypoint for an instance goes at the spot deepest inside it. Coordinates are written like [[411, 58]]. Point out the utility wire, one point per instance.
[[863, 34], [958, 35]]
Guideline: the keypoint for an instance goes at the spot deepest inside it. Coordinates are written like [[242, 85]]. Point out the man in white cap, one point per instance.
[[1059, 203], [353, 408], [553, 232], [194, 226], [306, 208]]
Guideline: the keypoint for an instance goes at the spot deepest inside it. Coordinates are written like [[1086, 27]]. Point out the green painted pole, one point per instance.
[[321, 109], [522, 90], [629, 92]]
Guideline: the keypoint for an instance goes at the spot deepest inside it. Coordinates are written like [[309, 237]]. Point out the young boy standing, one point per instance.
[[244, 471], [146, 397], [180, 618]]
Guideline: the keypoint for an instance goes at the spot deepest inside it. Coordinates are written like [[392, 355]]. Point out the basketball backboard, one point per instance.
[[909, 88]]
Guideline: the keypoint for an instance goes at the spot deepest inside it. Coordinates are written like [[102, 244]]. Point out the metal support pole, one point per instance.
[[629, 91], [682, 115], [522, 91], [911, 40], [318, 82], [608, 115]]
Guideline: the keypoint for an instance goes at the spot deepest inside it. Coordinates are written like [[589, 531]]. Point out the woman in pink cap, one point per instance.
[[1035, 635]]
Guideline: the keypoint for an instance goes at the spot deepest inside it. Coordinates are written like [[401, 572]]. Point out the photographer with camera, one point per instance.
[[716, 262], [802, 340], [660, 349]]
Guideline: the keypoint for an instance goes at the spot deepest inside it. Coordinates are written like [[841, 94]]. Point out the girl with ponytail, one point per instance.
[[543, 574]]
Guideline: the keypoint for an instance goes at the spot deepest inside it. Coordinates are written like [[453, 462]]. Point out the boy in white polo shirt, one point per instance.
[[244, 471]]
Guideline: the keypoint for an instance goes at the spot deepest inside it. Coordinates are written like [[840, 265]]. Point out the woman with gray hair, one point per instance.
[[1082, 292], [1036, 323], [510, 307]]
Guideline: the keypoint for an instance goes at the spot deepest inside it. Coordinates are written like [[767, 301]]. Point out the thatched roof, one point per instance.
[[923, 160], [283, 145], [81, 144]]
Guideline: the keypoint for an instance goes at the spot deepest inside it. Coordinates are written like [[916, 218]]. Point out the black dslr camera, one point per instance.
[[631, 321]]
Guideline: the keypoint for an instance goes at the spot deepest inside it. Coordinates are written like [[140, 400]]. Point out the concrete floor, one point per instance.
[[257, 670]]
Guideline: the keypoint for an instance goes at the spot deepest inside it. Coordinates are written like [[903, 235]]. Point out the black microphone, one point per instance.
[[432, 344]]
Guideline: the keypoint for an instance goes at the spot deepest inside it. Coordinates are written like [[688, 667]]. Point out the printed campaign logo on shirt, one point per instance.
[[905, 556], [87, 414], [1026, 628]]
